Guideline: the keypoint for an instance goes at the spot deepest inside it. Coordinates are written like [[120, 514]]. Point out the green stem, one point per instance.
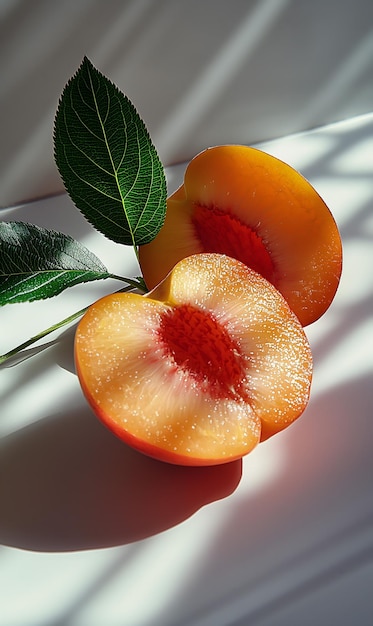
[[135, 283], [43, 333], [136, 249], [132, 283]]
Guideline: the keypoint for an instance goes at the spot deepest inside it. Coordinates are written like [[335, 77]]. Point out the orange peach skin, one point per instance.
[[244, 203]]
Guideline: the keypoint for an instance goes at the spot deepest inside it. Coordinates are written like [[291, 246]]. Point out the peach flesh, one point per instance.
[[201, 345], [138, 364], [222, 232], [299, 248]]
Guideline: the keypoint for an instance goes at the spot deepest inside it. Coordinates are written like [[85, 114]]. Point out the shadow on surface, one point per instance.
[[68, 484], [300, 532]]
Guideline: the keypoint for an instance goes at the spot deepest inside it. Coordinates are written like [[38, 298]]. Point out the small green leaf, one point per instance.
[[36, 263], [107, 161]]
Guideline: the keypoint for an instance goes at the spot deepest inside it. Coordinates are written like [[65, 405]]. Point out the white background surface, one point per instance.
[[94, 533], [201, 72]]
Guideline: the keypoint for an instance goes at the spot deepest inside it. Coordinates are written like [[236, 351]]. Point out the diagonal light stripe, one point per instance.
[[214, 78]]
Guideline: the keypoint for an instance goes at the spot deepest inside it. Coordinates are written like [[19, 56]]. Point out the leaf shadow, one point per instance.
[[67, 484]]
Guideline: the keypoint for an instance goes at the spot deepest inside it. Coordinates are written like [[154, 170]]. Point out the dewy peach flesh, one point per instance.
[[200, 370]]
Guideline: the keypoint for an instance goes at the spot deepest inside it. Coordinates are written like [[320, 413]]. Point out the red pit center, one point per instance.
[[201, 346], [224, 233]]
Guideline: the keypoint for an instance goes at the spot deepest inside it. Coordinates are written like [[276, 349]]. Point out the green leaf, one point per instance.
[[36, 263], [107, 161]]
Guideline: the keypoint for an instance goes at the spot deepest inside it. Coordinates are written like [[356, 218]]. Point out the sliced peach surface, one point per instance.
[[201, 369], [244, 203]]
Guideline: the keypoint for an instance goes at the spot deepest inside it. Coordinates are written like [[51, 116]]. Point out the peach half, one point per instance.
[[244, 203], [201, 369]]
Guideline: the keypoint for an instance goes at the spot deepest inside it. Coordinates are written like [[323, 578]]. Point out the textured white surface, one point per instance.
[[94, 533], [199, 72]]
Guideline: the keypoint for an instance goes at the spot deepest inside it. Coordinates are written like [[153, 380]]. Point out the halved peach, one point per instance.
[[201, 369], [244, 203]]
